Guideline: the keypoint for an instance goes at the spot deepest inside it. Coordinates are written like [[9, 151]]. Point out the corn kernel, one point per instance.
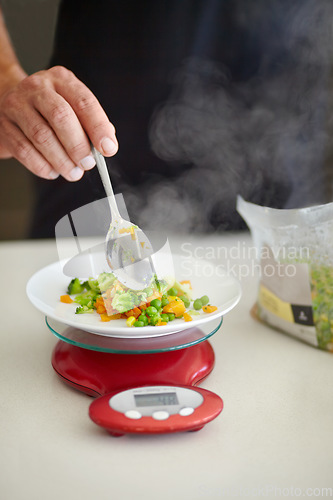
[[130, 320]]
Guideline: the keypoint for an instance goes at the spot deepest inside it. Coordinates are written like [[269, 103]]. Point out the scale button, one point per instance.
[[134, 414], [186, 411], [160, 415]]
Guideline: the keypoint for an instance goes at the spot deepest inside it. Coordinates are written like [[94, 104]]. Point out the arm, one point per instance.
[[48, 118], [10, 69]]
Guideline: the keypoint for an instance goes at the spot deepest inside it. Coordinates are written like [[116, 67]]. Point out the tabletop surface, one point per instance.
[[274, 438]]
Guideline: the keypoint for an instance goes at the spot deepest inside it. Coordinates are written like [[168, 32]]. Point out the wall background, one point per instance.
[[31, 25]]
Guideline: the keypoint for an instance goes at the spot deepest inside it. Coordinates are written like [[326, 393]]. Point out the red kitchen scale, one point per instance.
[[143, 385]]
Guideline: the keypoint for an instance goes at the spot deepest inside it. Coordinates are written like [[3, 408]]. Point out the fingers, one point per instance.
[[34, 142], [91, 115], [47, 122], [20, 148], [59, 136], [43, 139]]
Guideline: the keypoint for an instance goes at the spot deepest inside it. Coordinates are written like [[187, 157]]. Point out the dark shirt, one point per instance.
[[208, 101]]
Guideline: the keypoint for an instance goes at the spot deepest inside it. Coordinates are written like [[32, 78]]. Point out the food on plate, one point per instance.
[[156, 305]]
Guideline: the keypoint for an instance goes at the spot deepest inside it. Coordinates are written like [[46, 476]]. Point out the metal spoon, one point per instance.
[[127, 248]]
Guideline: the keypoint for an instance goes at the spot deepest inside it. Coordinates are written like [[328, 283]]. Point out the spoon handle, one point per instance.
[[104, 174]]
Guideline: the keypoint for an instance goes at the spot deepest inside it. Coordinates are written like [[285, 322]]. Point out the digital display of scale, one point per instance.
[[141, 386]]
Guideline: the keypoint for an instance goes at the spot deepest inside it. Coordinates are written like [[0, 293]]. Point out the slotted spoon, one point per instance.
[[127, 248]]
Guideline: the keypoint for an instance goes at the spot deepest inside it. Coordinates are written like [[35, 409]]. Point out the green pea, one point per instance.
[[173, 291], [164, 301], [156, 303], [204, 300], [171, 316], [186, 300], [150, 311], [165, 318], [138, 323], [197, 304], [143, 318]]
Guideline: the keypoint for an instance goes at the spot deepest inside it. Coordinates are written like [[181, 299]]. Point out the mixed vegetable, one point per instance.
[[322, 304], [156, 305]]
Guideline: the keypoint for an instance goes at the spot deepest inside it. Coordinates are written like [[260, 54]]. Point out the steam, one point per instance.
[[265, 138]]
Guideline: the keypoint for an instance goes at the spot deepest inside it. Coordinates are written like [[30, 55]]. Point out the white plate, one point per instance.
[[45, 287]]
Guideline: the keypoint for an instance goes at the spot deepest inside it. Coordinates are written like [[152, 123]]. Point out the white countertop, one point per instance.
[[274, 438]]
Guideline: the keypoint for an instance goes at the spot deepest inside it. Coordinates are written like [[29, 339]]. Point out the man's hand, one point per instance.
[[46, 122]]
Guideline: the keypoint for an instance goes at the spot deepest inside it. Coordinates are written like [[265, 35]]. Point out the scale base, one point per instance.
[[155, 410], [98, 373]]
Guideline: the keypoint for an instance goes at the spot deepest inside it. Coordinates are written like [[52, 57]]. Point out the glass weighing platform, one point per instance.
[[96, 364]]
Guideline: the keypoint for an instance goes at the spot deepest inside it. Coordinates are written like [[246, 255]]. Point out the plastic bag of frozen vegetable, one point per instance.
[[295, 250]]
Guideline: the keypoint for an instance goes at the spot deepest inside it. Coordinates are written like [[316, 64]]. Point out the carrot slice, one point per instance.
[[209, 309], [133, 312], [105, 317], [66, 299], [176, 307]]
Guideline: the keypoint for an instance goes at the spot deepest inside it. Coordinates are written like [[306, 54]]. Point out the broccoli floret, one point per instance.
[[75, 287], [93, 285], [86, 297], [161, 285], [84, 310]]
